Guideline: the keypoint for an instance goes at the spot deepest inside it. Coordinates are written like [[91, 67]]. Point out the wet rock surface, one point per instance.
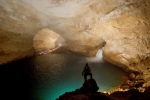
[[132, 94], [89, 92]]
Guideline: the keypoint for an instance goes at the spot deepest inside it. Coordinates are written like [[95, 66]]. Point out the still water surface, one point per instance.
[[46, 77]]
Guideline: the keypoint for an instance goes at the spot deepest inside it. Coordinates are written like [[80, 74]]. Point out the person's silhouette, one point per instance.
[[86, 71]]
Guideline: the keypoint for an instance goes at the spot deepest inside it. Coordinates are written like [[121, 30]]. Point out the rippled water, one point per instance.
[[51, 75]]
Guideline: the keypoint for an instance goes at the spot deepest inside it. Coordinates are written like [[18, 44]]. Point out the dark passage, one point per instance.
[[16, 81]]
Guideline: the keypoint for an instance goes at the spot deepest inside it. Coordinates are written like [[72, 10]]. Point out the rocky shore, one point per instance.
[[89, 92]]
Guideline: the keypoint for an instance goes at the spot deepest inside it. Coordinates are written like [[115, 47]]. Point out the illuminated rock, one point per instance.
[[47, 40], [85, 27]]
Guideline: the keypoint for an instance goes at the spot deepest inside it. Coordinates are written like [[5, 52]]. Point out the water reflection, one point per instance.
[[48, 76], [60, 73]]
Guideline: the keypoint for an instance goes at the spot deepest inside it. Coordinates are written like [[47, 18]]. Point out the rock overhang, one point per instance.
[[87, 25]]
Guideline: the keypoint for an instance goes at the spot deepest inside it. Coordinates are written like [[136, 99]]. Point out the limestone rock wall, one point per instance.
[[126, 32], [16, 29], [85, 24], [47, 40], [14, 46]]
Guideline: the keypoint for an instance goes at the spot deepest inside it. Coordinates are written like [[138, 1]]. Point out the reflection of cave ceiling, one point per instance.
[[122, 24]]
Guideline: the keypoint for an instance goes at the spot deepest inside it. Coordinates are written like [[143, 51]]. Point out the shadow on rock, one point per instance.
[[87, 92]]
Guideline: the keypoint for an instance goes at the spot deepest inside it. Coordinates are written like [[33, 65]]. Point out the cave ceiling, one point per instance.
[[121, 27]]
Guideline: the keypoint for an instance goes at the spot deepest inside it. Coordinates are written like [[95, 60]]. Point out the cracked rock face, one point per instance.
[[87, 24]]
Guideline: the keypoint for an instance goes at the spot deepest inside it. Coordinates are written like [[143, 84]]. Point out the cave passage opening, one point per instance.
[[46, 41]]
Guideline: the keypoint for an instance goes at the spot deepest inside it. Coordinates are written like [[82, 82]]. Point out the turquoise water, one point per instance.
[[60, 73], [46, 77]]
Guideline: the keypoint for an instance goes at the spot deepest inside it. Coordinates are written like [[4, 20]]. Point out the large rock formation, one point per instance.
[[47, 40], [85, 26], [89, 92]]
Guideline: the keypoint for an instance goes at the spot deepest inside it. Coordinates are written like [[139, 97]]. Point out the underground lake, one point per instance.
[[46, 77]]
